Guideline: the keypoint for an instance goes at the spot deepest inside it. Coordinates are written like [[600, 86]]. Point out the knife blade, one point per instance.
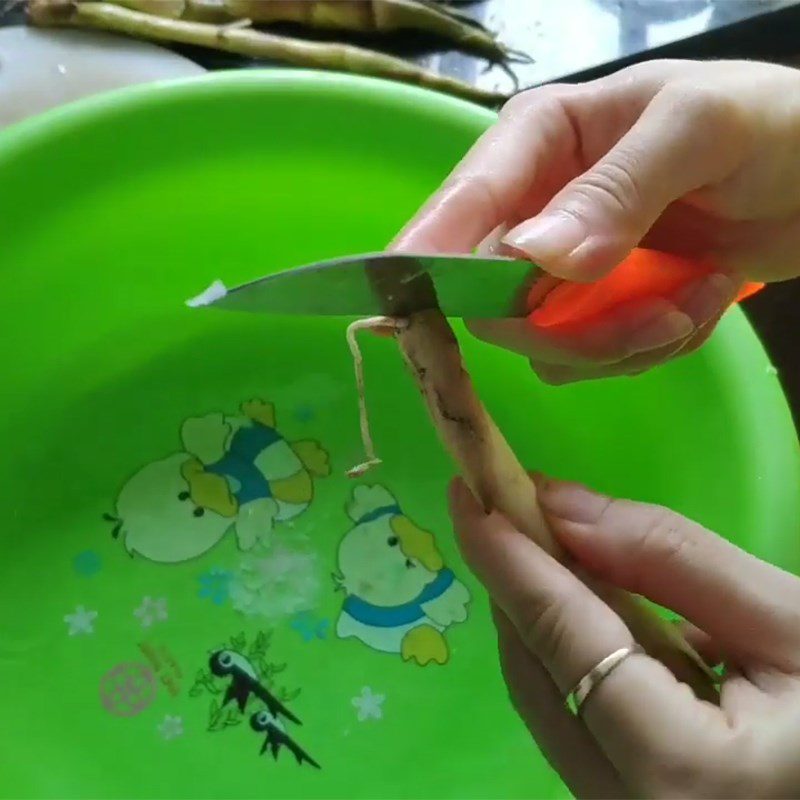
[[389, 284], [477, 287]]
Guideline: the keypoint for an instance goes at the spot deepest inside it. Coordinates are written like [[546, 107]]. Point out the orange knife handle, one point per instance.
[[643, 274]]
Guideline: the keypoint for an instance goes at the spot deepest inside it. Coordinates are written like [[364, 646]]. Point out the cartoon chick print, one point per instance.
[[234, 471], [400, 596]]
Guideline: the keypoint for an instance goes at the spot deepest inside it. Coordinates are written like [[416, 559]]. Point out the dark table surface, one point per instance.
[[582, 39]]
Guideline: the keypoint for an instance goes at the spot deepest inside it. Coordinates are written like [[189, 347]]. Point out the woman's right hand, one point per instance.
[[700, 159]]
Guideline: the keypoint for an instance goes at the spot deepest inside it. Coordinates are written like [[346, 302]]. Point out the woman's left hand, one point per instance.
[[641, 733]]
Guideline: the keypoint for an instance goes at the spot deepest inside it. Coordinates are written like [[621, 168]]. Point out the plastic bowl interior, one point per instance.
[[173, 479]]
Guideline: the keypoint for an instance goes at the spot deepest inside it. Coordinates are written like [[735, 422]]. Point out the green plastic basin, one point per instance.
[[185, 566]]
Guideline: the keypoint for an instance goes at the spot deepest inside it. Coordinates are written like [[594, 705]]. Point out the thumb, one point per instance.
[[683, 140], [748, 606]]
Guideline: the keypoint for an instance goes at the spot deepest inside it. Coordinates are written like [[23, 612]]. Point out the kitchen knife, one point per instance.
[[389, 284], [476, 287]]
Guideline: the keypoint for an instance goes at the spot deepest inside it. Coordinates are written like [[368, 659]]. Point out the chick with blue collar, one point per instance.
[[400, 596], [234, 472]]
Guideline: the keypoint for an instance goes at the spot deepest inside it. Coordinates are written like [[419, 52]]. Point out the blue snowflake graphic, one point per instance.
[[309, 626], [214, 585], [87, 563]]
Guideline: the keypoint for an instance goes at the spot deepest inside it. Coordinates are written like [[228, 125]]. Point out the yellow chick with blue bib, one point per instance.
[[234, 472], [400, 596]]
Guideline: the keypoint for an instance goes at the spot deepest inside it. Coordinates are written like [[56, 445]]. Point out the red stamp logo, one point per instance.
[[127, 689]]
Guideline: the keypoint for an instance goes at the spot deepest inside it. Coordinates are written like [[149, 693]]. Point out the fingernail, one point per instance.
[[571, 502], [547, 237], [492, 244], [706, 298], [661, 331]]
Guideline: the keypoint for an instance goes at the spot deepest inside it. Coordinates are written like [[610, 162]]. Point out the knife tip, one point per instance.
[[211, 295]]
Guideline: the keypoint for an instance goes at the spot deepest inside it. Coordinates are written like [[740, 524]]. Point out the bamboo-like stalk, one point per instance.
[[162, 8], [487, 463], [497, 479], [234, 38], [375, 16], [352, 16]]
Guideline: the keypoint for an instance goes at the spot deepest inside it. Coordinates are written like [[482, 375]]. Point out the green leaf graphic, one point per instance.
[[215, 717], [233, 717], [285, 696]]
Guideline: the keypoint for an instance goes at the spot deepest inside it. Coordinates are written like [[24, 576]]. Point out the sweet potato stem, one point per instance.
[[374, 16], [487, 463], [162, 8], [353, 16], [497, 479], [248, 42]]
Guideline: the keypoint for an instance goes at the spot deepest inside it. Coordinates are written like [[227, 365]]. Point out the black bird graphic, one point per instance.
[[276, 737], [244, 682]]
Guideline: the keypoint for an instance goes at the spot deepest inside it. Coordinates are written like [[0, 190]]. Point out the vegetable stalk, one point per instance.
[[353, 16], [236, 38], [497, 479], [376, 16]]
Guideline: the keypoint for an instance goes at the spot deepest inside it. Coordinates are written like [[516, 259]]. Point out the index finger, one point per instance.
[[534, 149], [491, 182], [633, 713]]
